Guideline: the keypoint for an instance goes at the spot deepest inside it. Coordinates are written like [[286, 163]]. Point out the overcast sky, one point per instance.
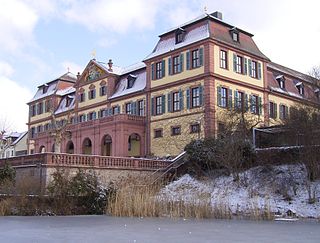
[[41, 39]]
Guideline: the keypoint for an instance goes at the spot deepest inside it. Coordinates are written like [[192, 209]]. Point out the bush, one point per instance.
[[79, 194], [7, 173], [230, 153]]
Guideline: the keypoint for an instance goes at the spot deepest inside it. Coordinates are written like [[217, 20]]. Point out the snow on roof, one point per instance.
[[50, 90], [279, 90], [21, 135], [66, 91], [139, 84], [133, 67], [115, 69], [63, 104], [164, 46]]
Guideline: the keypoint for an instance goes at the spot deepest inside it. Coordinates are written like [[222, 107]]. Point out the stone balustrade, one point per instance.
[[79, 160]]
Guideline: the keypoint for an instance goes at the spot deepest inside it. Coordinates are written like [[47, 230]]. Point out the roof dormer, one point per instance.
[[235, 34], [300, 87], [281, 81], [180, 33], [130, 80]]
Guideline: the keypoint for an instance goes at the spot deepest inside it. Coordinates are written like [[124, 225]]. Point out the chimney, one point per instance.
[[110, 65], [78, 76], [217, 15]]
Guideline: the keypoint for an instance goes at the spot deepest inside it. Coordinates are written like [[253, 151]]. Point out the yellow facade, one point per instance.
[[232, 74], [97, 99], [167, 79]]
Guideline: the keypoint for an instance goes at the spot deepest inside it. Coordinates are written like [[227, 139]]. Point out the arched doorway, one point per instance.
[[134, 145], [87, 146], [106, 145], [42, 149], [70, 148]]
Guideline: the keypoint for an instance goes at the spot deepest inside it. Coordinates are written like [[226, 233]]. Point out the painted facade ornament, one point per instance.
[[93, 73]]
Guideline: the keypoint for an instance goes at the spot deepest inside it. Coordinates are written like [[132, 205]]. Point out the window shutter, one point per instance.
[[163, 64], [94, 93], [236, 105], [250, 67], [134, 108], [280, 112], [118, 109], [201, 95], [260, 105], [152, 106], [44, 107], [94, 115], [188, 60], [201, 56], [163, 104], [251, 101], [100, 113], [100, 91], [181, 99], [169, 102], [110, 111], [234, 62], [188, 98], [246, 103], [230, 98], [152, 71], [219, 95], [275, 111], [181, 62], [245, 71], [287, 112], [259, 70], [170, 66]]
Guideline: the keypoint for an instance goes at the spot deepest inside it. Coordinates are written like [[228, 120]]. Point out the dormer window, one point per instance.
[[281, 81], [68, 100], [45, 88], [179, 35], [234, 34], [300, 88], [131, 79]]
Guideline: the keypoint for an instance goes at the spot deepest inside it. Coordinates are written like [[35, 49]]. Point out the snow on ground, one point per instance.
[[276, 189]]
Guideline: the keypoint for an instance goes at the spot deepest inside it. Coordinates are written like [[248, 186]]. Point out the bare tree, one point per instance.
[[59, 130]]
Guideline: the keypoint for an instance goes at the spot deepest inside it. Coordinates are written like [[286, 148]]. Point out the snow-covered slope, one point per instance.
[[276, 189]]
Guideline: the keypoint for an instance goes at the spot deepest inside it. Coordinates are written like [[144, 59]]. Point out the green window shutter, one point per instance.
[[260, 105], [219, 95], [251, 101], [234, 62], [287, 111], [235, 99], [152, 106], [163, 104], [169, 102], [152, 71], [245, 71], [201, 95], [246, 103], [201, 56], [188, 98], [163, 64], [229, 98], [134, 108], [181, 99], [181, 62], [170, 66], [250, 67], [118, 109], [280, 112], [259, 70], [275, 111], [188, 60]]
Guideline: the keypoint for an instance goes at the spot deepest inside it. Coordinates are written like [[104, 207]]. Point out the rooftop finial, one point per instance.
[[205, 9], [93, 54], [68, 69]]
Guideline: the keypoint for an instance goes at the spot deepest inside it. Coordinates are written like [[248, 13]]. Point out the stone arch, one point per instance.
[[87, 146], [134, 144], [42, 149], [70, 147], [106, 145]]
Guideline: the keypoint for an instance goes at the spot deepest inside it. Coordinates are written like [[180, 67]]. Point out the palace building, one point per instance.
[[155, 107]]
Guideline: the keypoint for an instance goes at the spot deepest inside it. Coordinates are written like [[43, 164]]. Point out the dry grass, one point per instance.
[[5, 207]]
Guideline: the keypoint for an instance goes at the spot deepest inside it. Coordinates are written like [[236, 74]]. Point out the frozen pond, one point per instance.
[[110, 229]]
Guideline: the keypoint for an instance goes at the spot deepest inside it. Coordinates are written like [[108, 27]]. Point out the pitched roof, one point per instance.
[[21, 135], [140, 77], [291, 72]]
